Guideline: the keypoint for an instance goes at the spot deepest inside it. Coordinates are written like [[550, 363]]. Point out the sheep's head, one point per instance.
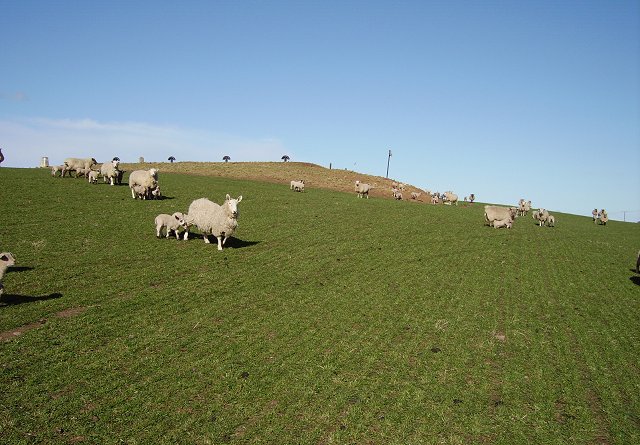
[[115, 163], [181, 218], [7, 258], [232, 205], [153, 172]]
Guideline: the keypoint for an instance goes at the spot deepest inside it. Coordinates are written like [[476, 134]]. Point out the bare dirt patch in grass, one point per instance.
[[16, 332]]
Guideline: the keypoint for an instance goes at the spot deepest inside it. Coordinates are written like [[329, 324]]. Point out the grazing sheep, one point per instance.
[[57, 168], [6, 260], [170, 222], [147, 179], [297, 186], [109, 171], [497, 213], [362, 189], [508, 222], [551, 221], [93, 177], [415, 195], [450, 198], [213, 219], [78, 163]]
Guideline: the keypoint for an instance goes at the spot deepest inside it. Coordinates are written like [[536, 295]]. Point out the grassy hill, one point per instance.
[[329, 319]]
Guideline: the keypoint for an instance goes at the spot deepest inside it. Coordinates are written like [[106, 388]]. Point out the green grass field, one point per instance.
[[329, 320]]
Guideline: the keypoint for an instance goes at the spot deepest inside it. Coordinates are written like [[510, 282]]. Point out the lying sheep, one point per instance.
[[498, 213], [297, 186], [362, 189], [397, 194], [6, 260], [171, 223], [93, 177], [146, 179], [109, 171], [508, 222], [415, 195], [213, 219]]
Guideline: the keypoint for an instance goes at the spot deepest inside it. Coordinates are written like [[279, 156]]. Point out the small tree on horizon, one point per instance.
[[226, 158], [171, 159], [285, 158], [116, 159]]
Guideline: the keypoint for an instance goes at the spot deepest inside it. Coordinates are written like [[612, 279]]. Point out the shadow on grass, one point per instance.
[[19, 269], [11, 299], [232, 242], [635, 280]]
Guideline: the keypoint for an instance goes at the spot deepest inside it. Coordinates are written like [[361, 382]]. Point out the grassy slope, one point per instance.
[[332, 320]]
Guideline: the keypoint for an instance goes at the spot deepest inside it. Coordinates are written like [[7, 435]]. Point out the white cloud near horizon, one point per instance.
[[26, 141]]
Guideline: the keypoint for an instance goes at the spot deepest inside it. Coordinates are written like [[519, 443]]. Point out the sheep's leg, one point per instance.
[[158, 232], [220, 242], [206, 239], [133, 194], [186, 235]]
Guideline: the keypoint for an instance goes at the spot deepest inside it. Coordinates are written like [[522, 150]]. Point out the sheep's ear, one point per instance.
[[228, 197], [176, 217], [239, 198]]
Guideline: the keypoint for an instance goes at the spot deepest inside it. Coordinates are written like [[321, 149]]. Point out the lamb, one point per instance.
[[57, 168], [141, 192], [147, 179], [119, 177], [450, 198], [78, 163], [109, 171], [297, 186], [415, 195], [83, 172], [93, 177], [362, 189], [551, 221], [508, 222], [6, 260], [170, 222], [155, 193], [497, 213], [211, 218]]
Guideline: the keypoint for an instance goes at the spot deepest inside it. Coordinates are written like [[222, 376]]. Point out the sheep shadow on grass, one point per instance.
[[18, 269], [232, 242], [13, 299], [635, 280]]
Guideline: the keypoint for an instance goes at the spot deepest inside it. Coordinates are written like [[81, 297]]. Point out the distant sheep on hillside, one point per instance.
[[362, 189]]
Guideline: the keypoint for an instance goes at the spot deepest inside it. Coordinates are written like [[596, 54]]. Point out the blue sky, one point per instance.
[[504, 99]]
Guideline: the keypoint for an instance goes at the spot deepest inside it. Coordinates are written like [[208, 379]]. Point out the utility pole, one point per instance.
[[388, 160]]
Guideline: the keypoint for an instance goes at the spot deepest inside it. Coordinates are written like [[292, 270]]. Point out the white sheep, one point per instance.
[[604, 218], [551, 221], [297, 186], [498, 213], [450, 198], [109, 171], [78, 163], [415, 195], [170, 222], [213, 219], [397, 194], [57, 168], [147, 179], [6, 260], [508, 222], [93, 177], [542, 216], [362, 189]]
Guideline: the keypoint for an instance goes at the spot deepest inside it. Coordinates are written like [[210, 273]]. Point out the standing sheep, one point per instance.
[[604, 218], [362, 189], [297, 186], [213, 219], [78, 163], [147, 179], [543, 216], [93, 177], [170, 222], [498, 213], [595, 215], [6, 260], [415, 195], [109, 171], [551, 221], [57, 168], [450, 198]]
